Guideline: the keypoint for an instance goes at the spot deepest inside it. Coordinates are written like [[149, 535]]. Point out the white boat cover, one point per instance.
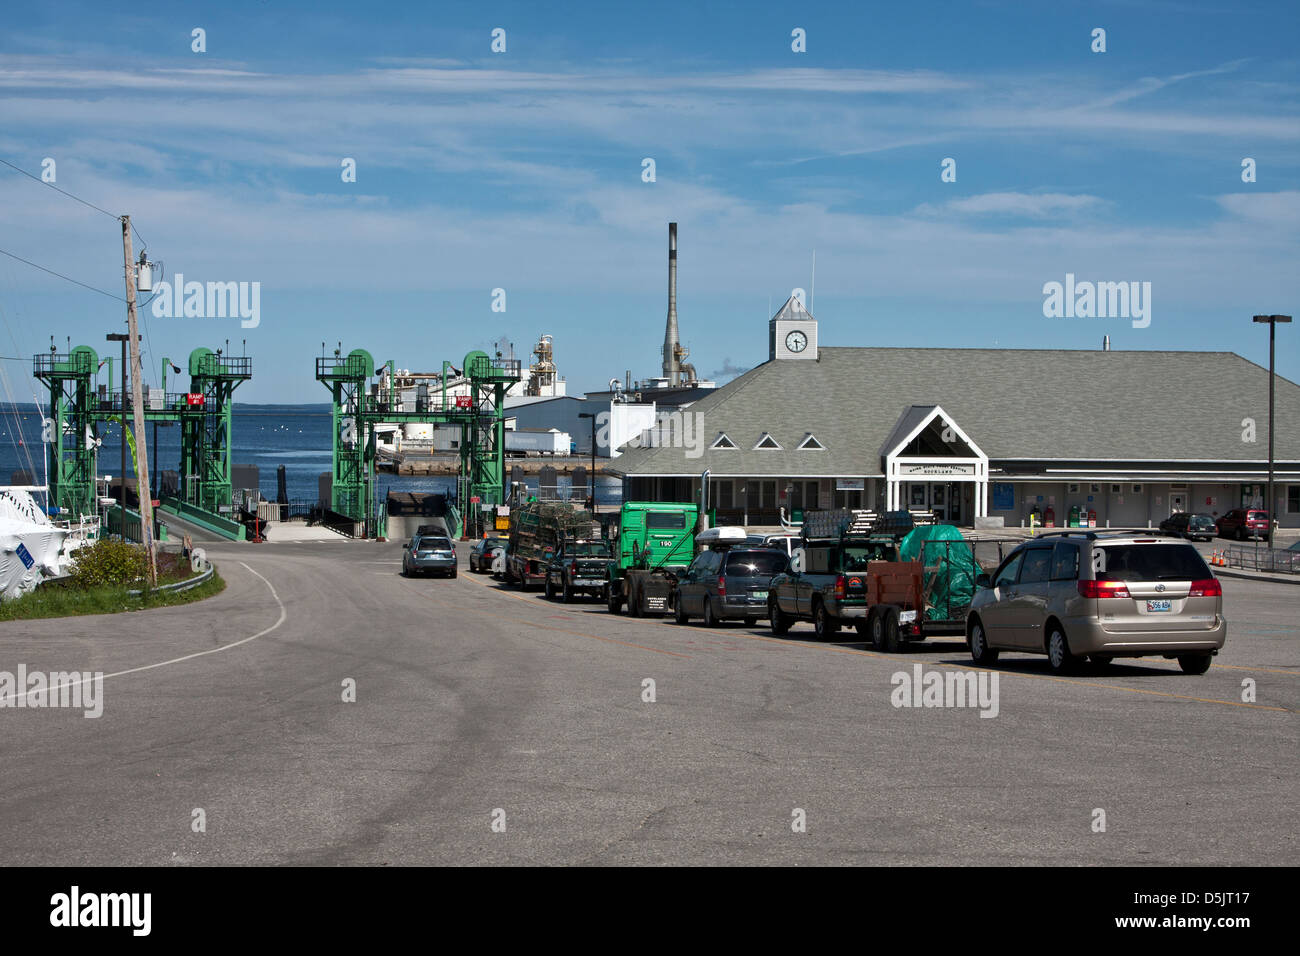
[[30, 545]]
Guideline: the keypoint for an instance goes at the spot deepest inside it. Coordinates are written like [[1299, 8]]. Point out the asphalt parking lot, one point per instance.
[[491, 726]]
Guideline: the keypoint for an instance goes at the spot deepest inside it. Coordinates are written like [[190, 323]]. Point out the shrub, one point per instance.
[[108, 562]]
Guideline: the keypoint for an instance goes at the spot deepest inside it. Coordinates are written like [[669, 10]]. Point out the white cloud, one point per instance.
[[1028, 205]]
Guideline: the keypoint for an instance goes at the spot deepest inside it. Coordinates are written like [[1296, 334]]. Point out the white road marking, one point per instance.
[[188, 657]]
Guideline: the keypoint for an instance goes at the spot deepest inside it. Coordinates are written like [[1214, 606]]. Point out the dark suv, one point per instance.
[[1190, 526], [727, 584], [1243, 523]]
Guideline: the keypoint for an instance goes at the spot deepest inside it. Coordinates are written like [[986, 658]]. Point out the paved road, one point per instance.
[[472, 697]]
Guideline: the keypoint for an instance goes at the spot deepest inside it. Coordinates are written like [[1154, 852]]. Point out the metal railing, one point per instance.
[[1262, 558]]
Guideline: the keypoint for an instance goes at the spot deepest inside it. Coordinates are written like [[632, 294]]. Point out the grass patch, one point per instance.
[[65, 601]]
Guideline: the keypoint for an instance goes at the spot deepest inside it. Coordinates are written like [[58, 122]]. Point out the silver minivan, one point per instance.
[[1099, 595]]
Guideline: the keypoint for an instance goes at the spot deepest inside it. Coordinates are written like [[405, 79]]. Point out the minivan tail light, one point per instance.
[[722, 586], [1210, 587], [839, 586], [1104, 589]]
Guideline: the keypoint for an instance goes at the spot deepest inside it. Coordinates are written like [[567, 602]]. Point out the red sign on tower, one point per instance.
[[464, 401], [194, 398]]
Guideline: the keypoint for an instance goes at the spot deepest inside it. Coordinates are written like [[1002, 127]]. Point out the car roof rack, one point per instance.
[[1094, 534]]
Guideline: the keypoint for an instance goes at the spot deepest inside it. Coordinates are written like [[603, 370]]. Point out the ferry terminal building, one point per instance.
[[972, 434]]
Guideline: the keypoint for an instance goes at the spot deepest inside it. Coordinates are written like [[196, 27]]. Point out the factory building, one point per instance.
[[977, 434]]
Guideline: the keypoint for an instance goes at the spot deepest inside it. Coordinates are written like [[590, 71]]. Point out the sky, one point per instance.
[[524, 170]]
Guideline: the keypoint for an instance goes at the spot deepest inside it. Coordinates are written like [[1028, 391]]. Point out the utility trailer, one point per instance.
[[537, 531], [891, 576]]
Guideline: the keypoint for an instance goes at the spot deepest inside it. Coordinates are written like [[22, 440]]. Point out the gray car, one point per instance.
[[429, 554], [1100, 595]]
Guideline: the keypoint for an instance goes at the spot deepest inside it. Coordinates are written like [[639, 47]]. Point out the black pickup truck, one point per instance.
[[579, 567], [837, 582]]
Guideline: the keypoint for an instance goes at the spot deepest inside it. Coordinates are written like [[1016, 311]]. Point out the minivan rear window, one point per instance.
[[665, 520], [760, 564], [1149, 562]]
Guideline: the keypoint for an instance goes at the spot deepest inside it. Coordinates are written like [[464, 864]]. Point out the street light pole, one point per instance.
[[1270, 504], [593, 458]]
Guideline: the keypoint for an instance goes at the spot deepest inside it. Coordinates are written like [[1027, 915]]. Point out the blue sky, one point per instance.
[[522, 171]]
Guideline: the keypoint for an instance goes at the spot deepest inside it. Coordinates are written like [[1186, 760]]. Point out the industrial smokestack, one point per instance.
[[672, 362], [1105, 343]]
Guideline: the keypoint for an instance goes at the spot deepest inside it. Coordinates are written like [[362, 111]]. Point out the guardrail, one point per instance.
[[114, 523], [182, 585], [219, 524]]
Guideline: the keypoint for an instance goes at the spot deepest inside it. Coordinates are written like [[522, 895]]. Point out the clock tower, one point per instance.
[[792, 332]]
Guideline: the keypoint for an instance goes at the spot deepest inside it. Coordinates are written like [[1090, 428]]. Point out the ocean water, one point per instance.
[[296, 436]]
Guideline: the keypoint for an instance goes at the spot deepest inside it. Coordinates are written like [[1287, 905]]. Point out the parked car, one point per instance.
[[579, 567], [1099, 595], [724, 585], [481, 555], [1193, 527], [1243, 523], [429, 554]]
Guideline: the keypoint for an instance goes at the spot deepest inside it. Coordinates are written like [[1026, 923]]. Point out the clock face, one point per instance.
[[796, 341]]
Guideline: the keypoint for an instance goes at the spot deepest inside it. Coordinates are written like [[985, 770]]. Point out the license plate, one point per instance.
[[1159, 606], [758, 595], [906, 617]]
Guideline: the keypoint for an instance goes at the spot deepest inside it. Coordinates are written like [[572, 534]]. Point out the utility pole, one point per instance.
[[137, 407], [1270, 505]]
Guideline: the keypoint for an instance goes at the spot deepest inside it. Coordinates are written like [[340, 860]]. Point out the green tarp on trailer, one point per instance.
[[950, 569]]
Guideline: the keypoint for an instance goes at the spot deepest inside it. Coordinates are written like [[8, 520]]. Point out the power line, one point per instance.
[[58, 190], [61, 275]]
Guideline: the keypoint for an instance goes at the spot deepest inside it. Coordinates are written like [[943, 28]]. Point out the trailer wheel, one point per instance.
[[883, 624], [876, 629], [679, 613], [891, 631], [612, 600]]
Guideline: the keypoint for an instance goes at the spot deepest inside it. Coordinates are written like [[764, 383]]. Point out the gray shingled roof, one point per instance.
[[1015, 404]]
